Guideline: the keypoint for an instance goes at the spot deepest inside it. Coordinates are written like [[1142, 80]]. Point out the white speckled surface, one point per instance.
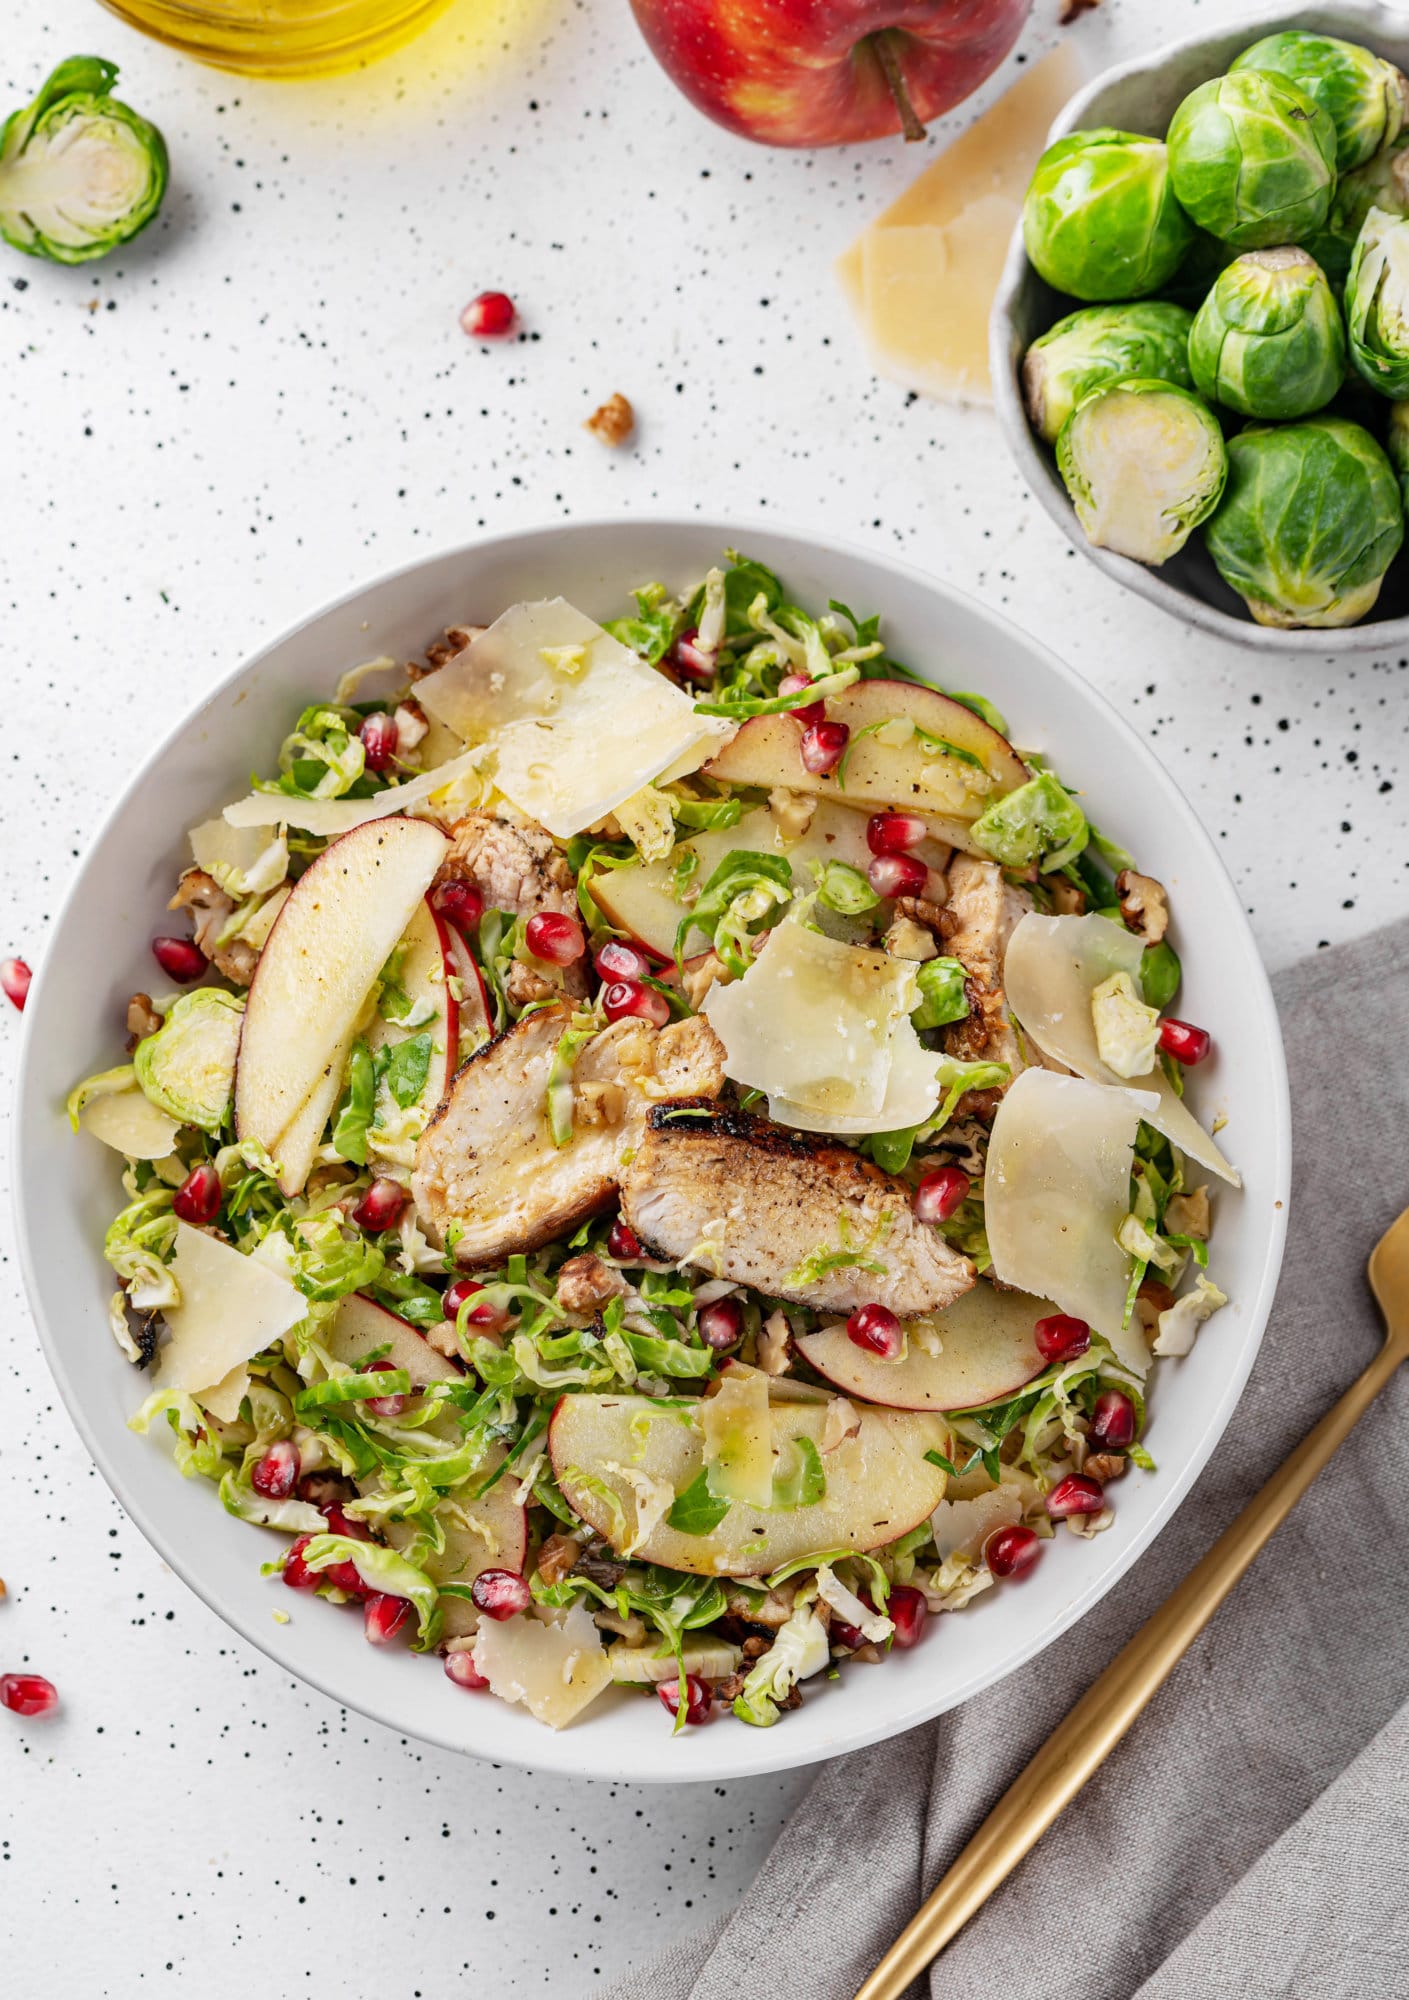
[[267, 399]]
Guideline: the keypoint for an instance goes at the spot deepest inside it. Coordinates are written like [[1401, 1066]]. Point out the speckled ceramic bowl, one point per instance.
[[67, 1188], [1141, 96]]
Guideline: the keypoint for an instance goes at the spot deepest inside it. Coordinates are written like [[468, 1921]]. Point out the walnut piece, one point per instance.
[[585, 1283], [774, 1338], [1106, 1465], [142, 1017], [1143, 904], [1068, 900], [907, 939], [791, 812], [613, 422], [701, 975], [557, 1557]]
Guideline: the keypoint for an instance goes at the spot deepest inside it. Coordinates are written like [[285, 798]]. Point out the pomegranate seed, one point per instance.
[[690, 658], [616, 960], [894, 833], [276, 1474], [623, 1243], [383, 1617], [297, 1574], [344, 1574], [898, 875], [632, 996], [823, 746], [907, 1610], [499, 1593], [794, 684], [1061, 1337], [1076, 1494], [1183, 1041], [385, 1406], [381, 1206], [698, 1699], [1112, 1421], [31, 1694], [485, 1315], [850, 1636], [197, 1200], [461, 1668], [877, 1329], [178, 958], [488, 316], [555, 938], [15, 976], [1012, 1551], [344, 1524], [460, 903], [940, 1194], [721, 1324], [380, 739]]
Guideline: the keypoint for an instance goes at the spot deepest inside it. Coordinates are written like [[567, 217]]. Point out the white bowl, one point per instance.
[[67, 1188], [1142, 96]]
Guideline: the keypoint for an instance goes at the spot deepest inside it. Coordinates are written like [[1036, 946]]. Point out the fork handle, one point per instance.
[[1086, 1737]]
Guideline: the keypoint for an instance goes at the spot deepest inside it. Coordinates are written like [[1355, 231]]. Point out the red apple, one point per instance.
[[828, 72]]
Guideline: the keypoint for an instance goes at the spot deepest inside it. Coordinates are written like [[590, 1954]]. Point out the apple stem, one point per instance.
[[895, 83]]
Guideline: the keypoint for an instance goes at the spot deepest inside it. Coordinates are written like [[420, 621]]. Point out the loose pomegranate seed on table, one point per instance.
[[460, 903], [383, 1617], [877, 1329], [1012, 1551], [380, 1208], [461, 1668], [500, 1593], [898, 875], [721, 1324], [276, 1474], [894, 833], [907, 1610], [698, 1699], [385, 1406], [15, 976], [380, 739], [823, 746], [489, 316], [179, 959], [623, 1243], [693, 660], [28, 1694], [555, 938], [1112, 1421], [940, 1194], [633, 997], [1186, 1043], [197, 1200], [1061, 1337], [1076, 1494]]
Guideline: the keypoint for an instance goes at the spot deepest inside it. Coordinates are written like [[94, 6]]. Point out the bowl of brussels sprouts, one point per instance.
[[1200, 343]]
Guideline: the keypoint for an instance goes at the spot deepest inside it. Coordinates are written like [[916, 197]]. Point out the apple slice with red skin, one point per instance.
[[879, 776], [362, 1327], [476, 1015], [879, 1482], [988, 1351]]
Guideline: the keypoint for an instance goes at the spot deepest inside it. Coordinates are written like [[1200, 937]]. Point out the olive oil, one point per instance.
[[281, 38]]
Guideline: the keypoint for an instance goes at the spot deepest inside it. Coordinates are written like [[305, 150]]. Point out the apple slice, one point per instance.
[[475, 1015], [333, 936], [427, 968], [879, 1482], [362, 1326], [909, 773], [988, 1351]]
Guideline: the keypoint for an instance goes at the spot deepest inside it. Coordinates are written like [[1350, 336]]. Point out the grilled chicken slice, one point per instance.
[[487, 1163], [981, 915], [770, 1208], [516, 868]]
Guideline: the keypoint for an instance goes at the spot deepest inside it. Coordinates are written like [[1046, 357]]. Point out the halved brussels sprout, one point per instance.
[[1268, 339], [187, 1067], [1099, 219], [1377, 303], [1365, 97], [1144, 463], [79, 172], [1309, 524], [1253, 159], [1103, 344]]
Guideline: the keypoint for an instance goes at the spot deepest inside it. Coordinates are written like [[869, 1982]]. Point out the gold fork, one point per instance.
[[1110, 1705]]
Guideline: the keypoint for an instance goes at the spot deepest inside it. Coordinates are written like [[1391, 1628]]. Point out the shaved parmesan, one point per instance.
[[1052, 970], [330, 817], [1056, 1191], [961, 1527], [567, 749], [130, 1123], [825, 1029], [554, 1670], [244, 860], [231, 1307], [738, 1439]]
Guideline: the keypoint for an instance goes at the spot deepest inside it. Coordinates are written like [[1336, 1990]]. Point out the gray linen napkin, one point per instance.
[[1251, 1836]]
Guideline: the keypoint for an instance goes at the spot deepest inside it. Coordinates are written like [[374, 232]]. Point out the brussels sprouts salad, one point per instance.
[[660, 1157], [1274, 219]]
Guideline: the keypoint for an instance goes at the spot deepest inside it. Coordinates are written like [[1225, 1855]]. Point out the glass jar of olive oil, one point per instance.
[[281, 38]]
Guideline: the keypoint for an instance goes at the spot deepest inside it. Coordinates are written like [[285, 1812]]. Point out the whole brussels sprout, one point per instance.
[[1377, 303], [1365, 96], [1310, 522], [1144, 463], [1100, 220], [1268, 339], [1253, 159], [79, 172], [1383, 183], [1397, 446], [1102, 344]]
